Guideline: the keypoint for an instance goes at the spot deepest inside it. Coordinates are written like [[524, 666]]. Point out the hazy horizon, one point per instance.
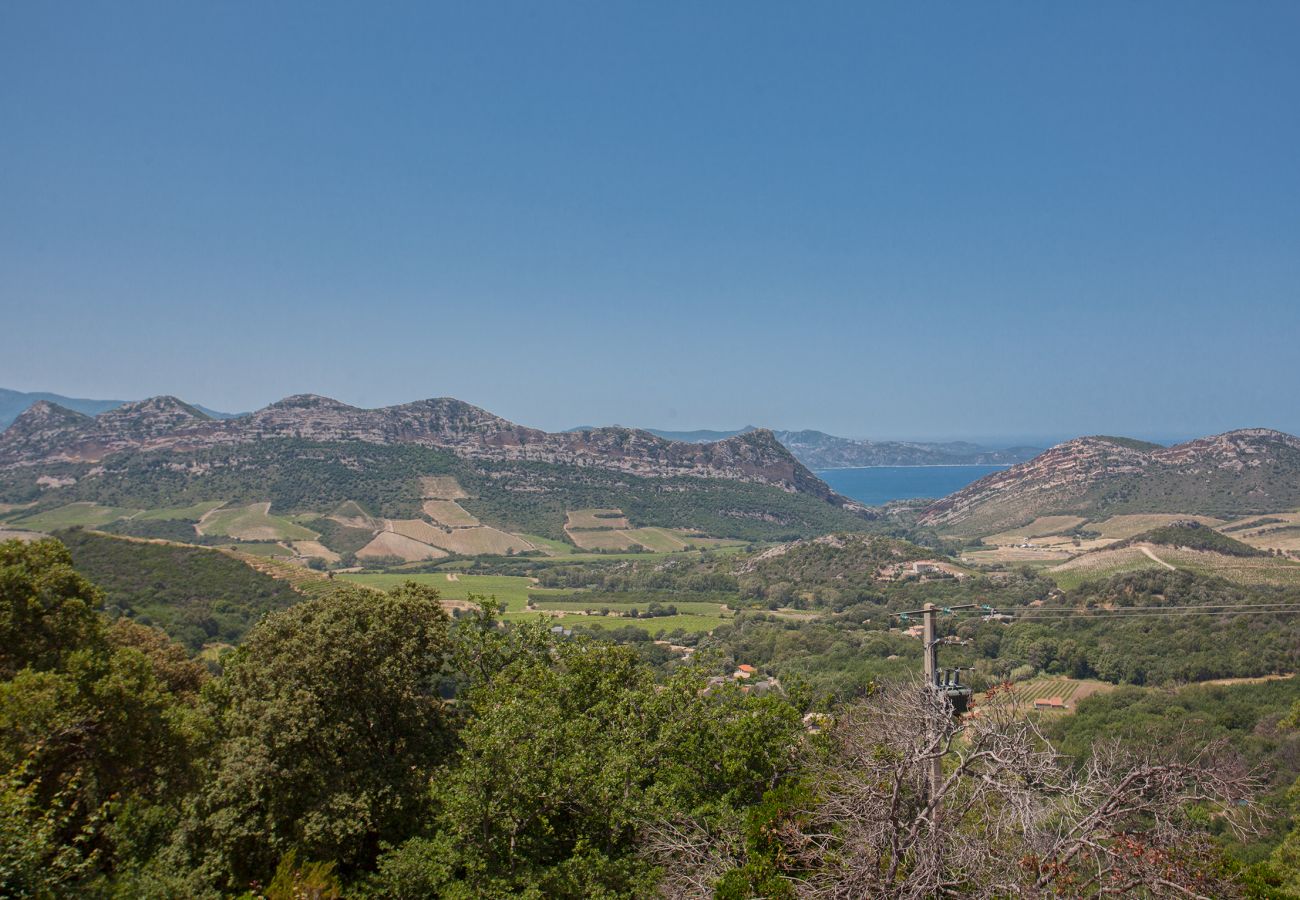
[[991, 439], [871, 220]]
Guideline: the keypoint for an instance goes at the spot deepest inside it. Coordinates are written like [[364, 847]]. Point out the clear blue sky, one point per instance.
[[902, 220]]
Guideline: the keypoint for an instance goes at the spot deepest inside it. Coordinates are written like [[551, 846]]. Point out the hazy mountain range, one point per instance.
[[815, 449], [12, 403], [819, 450]]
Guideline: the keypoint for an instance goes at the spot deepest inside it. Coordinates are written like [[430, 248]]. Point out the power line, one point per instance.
[[1122, 612]]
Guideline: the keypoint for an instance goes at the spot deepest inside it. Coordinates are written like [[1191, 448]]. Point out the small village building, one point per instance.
[[1049, 703]]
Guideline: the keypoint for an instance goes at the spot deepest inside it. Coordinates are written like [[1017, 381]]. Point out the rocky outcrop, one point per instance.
[[1092, 473], [48, 433]]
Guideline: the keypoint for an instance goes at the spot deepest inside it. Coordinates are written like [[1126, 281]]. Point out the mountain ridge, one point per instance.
[[1242, 471], [47, 433]]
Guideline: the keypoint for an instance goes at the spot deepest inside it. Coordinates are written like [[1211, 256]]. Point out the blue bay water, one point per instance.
[[878, 485]]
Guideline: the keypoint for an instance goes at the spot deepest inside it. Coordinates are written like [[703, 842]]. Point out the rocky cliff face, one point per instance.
[[47, 433], [1236, 471]]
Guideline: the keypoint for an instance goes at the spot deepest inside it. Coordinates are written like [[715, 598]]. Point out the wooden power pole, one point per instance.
[[930, 640], [953, 691]]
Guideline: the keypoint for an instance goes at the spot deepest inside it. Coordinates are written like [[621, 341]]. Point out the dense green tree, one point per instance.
[[565, 759], [332, 722], [47, 610], [101, 733]]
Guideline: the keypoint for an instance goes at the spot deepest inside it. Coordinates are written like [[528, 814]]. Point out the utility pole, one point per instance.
[[931, 644], [930, 640]]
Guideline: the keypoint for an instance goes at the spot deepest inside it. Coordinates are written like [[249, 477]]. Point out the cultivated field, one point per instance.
[[1015, 555], [603, 540], [253, 523], [658, 539], [351, 515], [449, 513], [315, 549], [1239, 569], [1117, 528], [1043, 526], [182, 513], [1021, 697], [8, 534], [84, 515], [595, 518], [389, 543], [416, 530], [509, 589]]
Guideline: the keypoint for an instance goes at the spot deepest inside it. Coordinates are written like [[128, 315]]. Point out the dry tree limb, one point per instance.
[[1011, 816]]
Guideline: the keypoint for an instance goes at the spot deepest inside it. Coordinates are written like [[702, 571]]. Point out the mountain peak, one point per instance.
[[44, 414], [161, 407], [309, 401]]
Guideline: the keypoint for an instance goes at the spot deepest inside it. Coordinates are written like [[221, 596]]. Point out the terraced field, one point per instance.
[[1022, 696]]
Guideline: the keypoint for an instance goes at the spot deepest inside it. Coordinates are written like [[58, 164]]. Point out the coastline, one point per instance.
[[922, 466]]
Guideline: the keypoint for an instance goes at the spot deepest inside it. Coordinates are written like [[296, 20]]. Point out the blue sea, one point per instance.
[[877, 485]]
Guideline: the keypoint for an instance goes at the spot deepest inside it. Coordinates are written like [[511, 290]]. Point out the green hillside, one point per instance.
[[1192, 536], [197, 596], [301, 477]]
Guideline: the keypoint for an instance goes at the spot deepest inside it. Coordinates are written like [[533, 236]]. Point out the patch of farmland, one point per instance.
[[259, 548], [603, 540], [1248, 570], [660, 540], [1015, 555], [512, 590], [653, 627], [390, 543], [441, 487], [1240, 569], [85, 515], [301, 578], [479, 540], [1286, 539], [9, 534], [1103, 564], [595, 518], [1126, 526], [350, 514], [1043, 526], [549, 546], [253, 523], [1021, 696], [569, 603], [482, 540], [178, 513], [316, 550], [416, 529], [449, 513]]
